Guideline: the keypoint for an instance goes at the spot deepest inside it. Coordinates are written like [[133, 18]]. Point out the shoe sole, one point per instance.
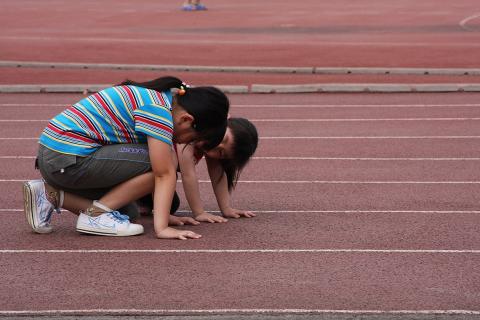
[[109, 234], [28, 208]]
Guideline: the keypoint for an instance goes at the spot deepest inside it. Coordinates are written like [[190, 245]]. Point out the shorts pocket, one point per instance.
[[55, 161]]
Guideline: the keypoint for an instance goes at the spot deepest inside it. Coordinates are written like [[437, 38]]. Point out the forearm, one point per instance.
[[220, 188], [162, 200], [219, 183], [192, 193]]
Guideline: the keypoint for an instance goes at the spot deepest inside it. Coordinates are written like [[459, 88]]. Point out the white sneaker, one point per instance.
[[108, 224], [38, 209]]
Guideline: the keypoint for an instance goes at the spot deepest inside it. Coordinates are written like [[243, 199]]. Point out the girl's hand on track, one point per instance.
[[208, 217], [235, 213], [180, 221], [171, 233]]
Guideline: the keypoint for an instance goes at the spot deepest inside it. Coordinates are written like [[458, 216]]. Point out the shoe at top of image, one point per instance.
[[188, 7], [200, 7], [194, 7]]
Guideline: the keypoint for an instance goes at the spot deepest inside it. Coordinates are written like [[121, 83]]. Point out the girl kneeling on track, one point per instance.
[[224, 162], [116, 146]]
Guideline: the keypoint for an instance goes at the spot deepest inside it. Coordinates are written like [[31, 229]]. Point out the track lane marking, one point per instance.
[[345, 182], [363, 159], [264, 41], [307, 120], [317, 158], [356, 120], [232, 311], [181, 212], [365, 137], [215, 251], [463, 23], [256, 106], [316, 182], [317, 137]]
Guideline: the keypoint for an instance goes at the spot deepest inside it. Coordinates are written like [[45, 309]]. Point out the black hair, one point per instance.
[[245, 142], [208, 105]]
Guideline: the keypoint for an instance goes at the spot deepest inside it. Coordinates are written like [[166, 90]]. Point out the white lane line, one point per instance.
[[232, 311], [316, 182], [34, 104], [317, 158], [362, 137], [328, 211], [214, 251], [361, 159], [23, 120], [185, 40], [463, 23], [306, 120], [276, 106], [360, 211], [350, 120], [347, 182], [17, 157], [319, 137], [256, 106]]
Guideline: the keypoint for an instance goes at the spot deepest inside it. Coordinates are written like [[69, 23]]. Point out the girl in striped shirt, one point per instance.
[[116, 146]]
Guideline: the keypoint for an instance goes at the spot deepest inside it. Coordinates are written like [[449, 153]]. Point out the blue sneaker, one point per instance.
[[188, 7], [108, 224], [200, 7]]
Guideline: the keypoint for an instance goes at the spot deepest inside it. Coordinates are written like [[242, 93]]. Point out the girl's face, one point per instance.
[[225, 149]]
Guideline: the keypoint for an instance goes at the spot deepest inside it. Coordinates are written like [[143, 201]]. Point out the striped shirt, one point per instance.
[[122, 114]]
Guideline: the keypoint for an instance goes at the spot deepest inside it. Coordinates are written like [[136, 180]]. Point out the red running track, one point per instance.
[[364, 33], [363, 224], [23, 75], [311, 34]]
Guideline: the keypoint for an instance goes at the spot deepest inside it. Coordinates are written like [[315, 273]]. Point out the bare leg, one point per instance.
[[129, 191], [118, 197], [71, 202], [75, 204]]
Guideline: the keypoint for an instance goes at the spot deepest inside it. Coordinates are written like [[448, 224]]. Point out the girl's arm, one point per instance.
[[163, 168], [186, 161], [220, 188]]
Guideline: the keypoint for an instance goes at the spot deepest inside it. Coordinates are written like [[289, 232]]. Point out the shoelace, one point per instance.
[[119, 217]]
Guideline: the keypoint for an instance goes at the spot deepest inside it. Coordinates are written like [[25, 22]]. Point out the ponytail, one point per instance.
[[159, 84]]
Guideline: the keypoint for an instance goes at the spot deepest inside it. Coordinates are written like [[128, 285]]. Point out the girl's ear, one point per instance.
[[186, 117]]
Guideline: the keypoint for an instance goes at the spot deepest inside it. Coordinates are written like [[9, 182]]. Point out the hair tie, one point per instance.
[[183, 89]]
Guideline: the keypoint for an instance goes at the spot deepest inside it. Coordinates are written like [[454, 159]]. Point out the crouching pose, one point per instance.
[[114, 147]]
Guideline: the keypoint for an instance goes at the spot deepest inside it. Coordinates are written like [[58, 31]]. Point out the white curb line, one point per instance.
[[265, 88], [246, 69]]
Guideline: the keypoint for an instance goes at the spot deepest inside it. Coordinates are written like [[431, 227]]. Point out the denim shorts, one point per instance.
[[94, 175]]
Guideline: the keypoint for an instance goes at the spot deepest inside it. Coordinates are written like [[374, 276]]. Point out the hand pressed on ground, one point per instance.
[[208, 217], [236, 213], [180, 221], [171, 233]]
